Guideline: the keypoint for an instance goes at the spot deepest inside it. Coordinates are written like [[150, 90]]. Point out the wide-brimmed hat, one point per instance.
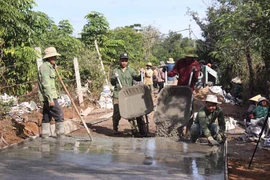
[[236, 80], [262, 99], [162, 63], [255, 98], [191, 55], [149, 64], [50, 52], [212, 98], [170, 61]]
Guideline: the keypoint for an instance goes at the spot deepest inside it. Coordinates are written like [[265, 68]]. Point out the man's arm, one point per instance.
[[221, 121], [45, 73], [201, 118], [113, 78], [175, 69], [135, 75], [197, 72]]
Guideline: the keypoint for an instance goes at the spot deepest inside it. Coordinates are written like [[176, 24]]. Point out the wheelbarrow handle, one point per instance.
[[119, 82]]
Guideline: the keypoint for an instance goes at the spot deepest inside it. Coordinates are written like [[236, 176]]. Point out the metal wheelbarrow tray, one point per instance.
[[174, 110], [135, 101]]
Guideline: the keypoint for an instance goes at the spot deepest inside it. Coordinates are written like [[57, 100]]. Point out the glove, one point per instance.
[[116, 74], [212, 141], [165, 68]]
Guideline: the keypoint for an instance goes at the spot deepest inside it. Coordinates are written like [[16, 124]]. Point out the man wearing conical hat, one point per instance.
[[48, 94]]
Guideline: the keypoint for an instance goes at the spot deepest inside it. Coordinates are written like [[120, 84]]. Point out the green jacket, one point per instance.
[[46, 82], [260, 111], [126, 79], [205, 118]]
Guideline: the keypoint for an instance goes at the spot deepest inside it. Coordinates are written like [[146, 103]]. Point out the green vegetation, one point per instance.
[[235, 35]]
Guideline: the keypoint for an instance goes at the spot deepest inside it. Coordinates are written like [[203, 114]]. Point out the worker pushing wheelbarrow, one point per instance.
[[130, 102]]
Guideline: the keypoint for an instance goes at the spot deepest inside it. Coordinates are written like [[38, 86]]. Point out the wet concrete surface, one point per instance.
[[109, 158]]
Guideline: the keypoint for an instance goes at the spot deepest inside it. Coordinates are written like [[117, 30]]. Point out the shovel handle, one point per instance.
[[75, 107]]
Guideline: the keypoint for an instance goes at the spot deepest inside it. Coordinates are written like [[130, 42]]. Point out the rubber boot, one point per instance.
[[60, 129], [45, 133]]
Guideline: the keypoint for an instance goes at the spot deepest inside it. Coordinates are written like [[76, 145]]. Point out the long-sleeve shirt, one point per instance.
[[183, 69], [125, 78], [161, 75], [46, 82], [148, 77], [205, 118], [260, 111]]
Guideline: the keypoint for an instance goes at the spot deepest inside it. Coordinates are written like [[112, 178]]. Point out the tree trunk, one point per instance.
[[266, 59], [251, 73]]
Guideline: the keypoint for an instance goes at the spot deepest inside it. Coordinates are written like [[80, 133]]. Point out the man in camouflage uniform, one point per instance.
[[126, 76], [48, 94], [204, 123]]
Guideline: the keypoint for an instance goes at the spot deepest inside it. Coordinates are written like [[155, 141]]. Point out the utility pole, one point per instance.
[[190, 39], [190, 32]]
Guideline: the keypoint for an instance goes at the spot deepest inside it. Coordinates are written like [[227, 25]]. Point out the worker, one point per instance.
[[204, 124], [48, 94]]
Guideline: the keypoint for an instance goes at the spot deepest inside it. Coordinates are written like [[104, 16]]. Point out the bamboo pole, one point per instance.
[[76, 109]]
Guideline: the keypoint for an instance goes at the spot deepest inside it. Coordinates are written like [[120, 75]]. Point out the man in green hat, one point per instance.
[[183, 68]]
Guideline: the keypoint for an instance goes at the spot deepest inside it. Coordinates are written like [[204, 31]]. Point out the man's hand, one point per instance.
[[212, 141], [51, 103], [165, 68], [116, 74], [194, 68], [221, 137]]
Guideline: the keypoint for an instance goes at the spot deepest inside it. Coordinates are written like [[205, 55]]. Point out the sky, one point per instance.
[[165, 15]]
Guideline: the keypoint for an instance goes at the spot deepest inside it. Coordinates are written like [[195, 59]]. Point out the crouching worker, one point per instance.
[[204, 124], [48, 94]]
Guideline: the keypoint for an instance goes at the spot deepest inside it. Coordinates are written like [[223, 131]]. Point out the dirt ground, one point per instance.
[[239, 152]]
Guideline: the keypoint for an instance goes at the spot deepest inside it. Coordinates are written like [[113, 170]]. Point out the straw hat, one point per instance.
[[170, 61], [149, 64], [50, 52], [236, 80], [255, 98], [162, 63], [212, 98]]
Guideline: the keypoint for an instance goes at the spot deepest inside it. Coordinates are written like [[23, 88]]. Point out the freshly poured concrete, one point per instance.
[[117, 158]]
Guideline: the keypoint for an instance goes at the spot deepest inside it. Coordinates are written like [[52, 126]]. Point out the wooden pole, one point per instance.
[[101, 62], [76, 109], [78, 81]]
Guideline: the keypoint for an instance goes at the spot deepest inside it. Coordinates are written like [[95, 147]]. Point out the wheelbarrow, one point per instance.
[[135, 103], [174, 111]]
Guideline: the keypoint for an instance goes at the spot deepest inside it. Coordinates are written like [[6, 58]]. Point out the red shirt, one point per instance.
[[183, 69]]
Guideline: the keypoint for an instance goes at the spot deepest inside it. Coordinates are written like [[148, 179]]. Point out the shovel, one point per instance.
[[75, 107]]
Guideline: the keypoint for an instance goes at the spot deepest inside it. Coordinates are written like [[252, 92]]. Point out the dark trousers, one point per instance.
[[160, 85], [116, 115], [50, 112]]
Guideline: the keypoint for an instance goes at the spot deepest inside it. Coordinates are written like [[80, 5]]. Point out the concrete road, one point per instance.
[[109, 158]]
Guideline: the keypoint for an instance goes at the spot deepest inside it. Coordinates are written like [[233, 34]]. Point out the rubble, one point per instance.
[[105, 100]]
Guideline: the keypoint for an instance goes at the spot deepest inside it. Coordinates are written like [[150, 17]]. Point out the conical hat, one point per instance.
[[255, 98]]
